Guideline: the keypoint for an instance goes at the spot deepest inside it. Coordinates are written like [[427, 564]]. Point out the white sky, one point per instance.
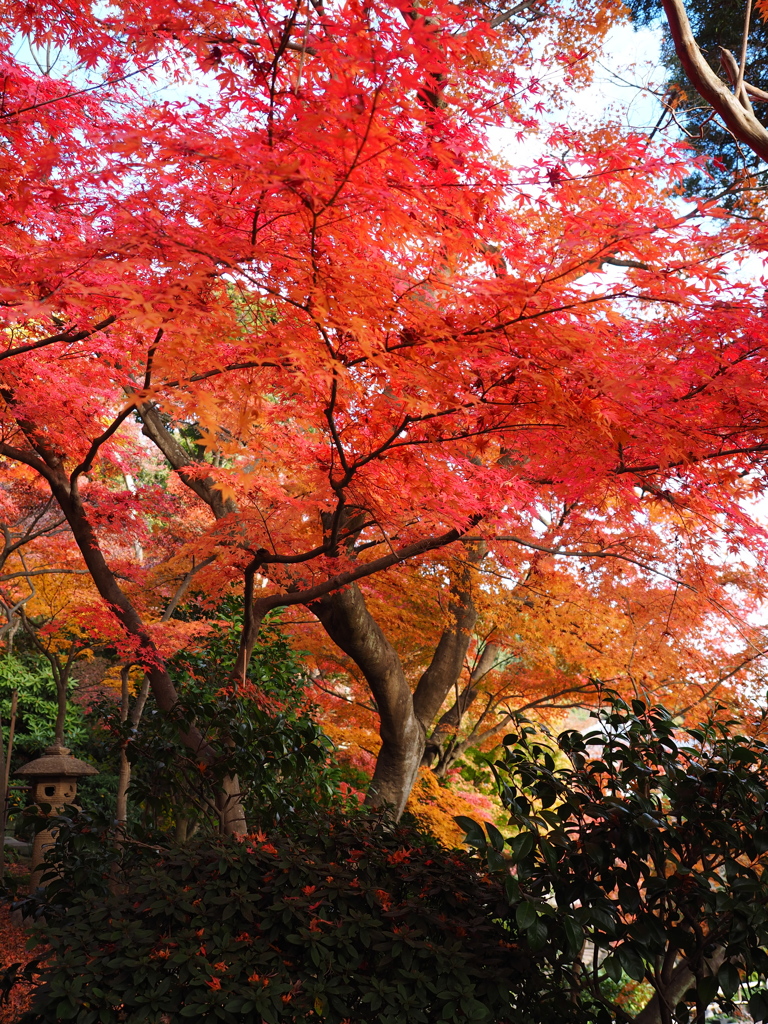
[[629, 65]]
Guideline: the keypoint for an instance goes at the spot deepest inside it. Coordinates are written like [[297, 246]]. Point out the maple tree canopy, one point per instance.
[[274, 249]]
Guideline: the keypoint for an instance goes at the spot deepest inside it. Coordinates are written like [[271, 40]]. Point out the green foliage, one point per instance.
[[331, 921], [31, 675], [36, 713], [275, 668], [473, 768], [630, 995], [651, 844], [264, 728]]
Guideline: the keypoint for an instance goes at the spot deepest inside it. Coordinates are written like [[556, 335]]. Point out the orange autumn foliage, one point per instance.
[[435, 806]]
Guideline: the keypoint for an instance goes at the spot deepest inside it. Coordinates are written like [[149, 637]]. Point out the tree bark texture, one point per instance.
[[735, 110], [349, 623], [131, 715], [679, 979]]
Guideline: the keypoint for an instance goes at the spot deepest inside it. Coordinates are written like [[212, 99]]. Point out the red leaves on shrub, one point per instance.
[[13, 941]]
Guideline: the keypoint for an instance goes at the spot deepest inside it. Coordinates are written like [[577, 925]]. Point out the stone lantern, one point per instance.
[[53, 780]]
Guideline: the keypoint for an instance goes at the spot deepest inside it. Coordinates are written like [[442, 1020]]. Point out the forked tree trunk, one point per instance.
[[351, 626], [133, 717], [450, 723], [675, 984], [405, 716]]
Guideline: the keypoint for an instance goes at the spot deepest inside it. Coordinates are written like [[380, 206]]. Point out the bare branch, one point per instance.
[[26, 458], [93, 451], [731, 68], [150, 358], [723, 679], [66, 336], [740, 120], [156, 431], [600, 553], [42, 572], [506, 15], [80, 92], [182, 588], [739, 86], [343, 579]]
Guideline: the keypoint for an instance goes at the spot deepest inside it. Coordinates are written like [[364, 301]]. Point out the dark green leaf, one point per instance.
[[631, 963], [521, 845], [474, 832], [525, 915], [574, 934], [729, 978], [497, 839]]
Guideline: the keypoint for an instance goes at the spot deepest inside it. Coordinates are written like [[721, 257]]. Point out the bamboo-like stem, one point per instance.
[[5, 777]]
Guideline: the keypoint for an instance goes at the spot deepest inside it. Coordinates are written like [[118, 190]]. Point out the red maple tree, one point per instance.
[[354, 333]]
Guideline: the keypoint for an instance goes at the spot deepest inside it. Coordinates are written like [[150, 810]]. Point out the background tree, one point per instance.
[[734, 96]]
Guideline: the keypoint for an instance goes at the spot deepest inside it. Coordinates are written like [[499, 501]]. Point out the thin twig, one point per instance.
[[79, 92], [739, 90]]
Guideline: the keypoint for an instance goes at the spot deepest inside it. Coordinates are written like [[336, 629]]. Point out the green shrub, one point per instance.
[[338, 921], [647, 841], [264, 730], [31, 676]]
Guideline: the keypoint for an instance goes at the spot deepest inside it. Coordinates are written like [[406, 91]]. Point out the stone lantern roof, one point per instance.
[[56, 760]]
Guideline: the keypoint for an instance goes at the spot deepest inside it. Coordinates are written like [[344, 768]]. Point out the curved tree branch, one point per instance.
[[738, 116]]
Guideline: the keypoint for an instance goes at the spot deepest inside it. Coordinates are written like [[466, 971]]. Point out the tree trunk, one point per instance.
[[736, 111], [351, 626], [124, 770], [680, 980], [184, 831], [5, 775], [404, 716], [133, 717], [229, 806], [443, 672], [232, 817], [60, 672], [450, 723]]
